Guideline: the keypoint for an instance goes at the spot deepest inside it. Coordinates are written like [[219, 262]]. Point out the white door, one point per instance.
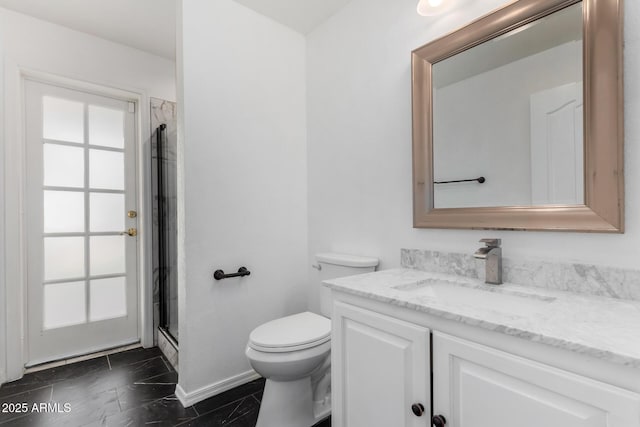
[[380, 368], [80, 199], [557, 146], [477, 386]]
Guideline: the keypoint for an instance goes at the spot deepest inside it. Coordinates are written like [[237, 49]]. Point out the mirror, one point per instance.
[[522, 118], [517, 120]]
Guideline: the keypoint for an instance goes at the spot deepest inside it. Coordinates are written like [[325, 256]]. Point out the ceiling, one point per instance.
[[150, 25], [301, 15]]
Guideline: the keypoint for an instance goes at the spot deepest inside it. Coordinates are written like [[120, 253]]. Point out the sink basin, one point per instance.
[[471, 296]]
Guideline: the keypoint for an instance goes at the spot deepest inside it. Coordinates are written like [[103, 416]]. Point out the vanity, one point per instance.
[[415, 348]]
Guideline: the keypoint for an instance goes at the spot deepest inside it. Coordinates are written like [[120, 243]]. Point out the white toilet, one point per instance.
[[294, 353]]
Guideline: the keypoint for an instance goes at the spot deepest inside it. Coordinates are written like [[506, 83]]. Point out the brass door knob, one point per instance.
[[131, 232]]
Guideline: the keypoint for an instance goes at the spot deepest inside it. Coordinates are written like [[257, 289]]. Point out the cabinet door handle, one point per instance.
[[439, 420], [417, 409]]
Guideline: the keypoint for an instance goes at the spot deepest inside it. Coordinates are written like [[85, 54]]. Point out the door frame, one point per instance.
[[15, 247]]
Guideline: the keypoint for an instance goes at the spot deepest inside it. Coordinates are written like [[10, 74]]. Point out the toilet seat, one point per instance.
[[291, 333]]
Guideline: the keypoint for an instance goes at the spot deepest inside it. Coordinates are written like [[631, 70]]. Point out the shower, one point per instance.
[[164, 194]]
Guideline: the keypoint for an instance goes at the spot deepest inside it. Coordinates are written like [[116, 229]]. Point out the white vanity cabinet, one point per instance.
[[478, 386], [380, 368]]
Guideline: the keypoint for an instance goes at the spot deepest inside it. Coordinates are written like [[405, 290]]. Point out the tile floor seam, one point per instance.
[[150, 402], [141, 383], [118, 399], [236, 408], [12, 420], [152, 376], [238, 401], [38, 387], [235, 419]]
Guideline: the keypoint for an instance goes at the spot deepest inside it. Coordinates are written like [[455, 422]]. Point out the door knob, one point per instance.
[[417, 409], [439, 421], [131, 232]]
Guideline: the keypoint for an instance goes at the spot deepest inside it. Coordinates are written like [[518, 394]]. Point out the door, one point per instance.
[[557, 146], [477, 386], [80, 199], [380, 368]]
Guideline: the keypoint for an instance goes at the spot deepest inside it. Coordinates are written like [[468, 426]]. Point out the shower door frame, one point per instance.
[[164, 300]]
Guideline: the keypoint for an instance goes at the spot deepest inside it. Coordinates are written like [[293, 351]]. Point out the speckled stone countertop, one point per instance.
[[605, 328]]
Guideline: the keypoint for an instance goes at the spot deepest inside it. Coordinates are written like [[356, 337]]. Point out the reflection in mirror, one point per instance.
[[510, 110]]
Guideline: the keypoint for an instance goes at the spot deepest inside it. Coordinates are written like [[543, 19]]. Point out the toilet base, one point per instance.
[[287, 404]]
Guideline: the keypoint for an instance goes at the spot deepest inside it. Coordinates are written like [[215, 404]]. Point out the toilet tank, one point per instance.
[[334, 265]]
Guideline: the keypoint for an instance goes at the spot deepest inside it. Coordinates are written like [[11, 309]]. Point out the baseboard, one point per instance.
[[188, 399]]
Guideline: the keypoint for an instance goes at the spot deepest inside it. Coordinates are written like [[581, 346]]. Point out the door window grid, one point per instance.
[[87, 278]]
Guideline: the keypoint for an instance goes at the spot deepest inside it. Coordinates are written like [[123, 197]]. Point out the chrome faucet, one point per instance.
[[492, 254]]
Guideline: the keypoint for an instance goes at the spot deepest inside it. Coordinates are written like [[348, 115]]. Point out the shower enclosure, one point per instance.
[[164, 179]]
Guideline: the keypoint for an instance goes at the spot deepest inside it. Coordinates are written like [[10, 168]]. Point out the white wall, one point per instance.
[[243, 177], [359, 141], [34, 45], [38, 45], [496, 142]]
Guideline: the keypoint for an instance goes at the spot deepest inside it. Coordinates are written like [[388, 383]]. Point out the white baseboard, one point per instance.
[[188, 399]]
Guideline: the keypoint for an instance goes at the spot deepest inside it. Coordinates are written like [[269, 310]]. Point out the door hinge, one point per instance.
[[132, 107]]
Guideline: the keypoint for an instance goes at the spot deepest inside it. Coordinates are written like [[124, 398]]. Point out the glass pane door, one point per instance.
[[82, 224]]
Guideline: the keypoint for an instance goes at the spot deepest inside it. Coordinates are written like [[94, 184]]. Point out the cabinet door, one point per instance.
[[380, 367], [476, 386]]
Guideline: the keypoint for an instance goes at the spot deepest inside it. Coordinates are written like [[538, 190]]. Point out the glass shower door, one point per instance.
[[164, 172]]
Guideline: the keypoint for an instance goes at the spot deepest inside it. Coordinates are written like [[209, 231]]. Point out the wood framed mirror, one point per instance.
[[544, 166]]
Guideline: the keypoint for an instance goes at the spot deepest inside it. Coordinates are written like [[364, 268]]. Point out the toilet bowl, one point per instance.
[[290, 353], [293, 353]]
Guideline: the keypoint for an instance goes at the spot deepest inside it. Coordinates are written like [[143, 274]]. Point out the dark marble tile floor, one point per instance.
[[132, 388]]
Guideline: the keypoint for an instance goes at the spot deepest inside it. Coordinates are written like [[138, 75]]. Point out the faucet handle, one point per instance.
[[491, 243]]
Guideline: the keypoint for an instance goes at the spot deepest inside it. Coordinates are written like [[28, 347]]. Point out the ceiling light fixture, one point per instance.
[[433, 7]]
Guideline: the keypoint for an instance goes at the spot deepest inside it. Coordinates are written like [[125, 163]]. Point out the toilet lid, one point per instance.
[[296, 332]]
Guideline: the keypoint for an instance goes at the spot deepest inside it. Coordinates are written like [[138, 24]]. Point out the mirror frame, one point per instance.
[[603, 210]]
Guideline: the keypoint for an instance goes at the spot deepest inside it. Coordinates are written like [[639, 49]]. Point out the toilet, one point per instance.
[[293, 353]]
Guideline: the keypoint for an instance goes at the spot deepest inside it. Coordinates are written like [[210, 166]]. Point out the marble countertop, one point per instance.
[[605, 328]]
